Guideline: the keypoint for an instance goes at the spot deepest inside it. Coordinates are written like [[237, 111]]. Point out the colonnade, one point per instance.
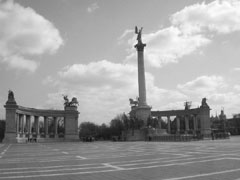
[[25, 127], [178, 119]]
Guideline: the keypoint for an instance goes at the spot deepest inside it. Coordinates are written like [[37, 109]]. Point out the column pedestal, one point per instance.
[[143, 113]]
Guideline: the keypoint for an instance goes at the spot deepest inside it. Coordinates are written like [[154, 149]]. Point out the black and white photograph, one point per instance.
[[119, 90]]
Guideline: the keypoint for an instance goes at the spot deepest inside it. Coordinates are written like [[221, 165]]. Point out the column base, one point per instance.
[[143, 113], [71, 137], [10, 138]]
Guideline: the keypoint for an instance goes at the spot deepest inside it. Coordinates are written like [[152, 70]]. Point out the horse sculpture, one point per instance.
[[132, 102], [74, 101]]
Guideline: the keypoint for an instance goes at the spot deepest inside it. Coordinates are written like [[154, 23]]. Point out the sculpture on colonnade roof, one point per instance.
[[73, 102]]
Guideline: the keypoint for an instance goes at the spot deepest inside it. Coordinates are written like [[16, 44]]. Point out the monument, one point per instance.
[[142, 110], [23, 123], [188, 121]]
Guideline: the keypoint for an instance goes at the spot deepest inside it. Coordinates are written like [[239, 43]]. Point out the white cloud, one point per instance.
[[124, 35], [228, 100], [203, 85], [18, 62], [220, 16], [93, 7], [169, 45], [99, 73], [24, 32], [236, 87], [103, 89], [236, 69], [190, 29]]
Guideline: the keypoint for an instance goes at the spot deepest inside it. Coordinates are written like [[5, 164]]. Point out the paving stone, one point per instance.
[[219, 159]]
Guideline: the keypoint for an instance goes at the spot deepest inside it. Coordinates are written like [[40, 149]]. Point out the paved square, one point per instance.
[[219, 159]]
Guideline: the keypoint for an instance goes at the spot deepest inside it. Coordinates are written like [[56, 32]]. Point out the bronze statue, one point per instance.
[[74, 102], [139, 34], [68, 103], [133, 102], [204, 102], [10, 95]]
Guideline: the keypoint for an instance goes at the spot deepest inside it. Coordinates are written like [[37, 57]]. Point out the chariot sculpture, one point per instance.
[[73, 102]]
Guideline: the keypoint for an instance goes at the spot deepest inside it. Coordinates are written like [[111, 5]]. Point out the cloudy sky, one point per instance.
[[85, 49]]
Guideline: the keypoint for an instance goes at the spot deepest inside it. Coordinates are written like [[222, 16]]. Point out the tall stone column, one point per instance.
[[141, 74], [143, 111], [46, 126], [169, 124]]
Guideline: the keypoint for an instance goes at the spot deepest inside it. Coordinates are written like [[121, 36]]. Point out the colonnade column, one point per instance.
[[195, 124], [160, 122], [55, 127], [36, 122], [186, 124], [17, 124], [169, 125], [28, 123], [46, 126], [22, 124], [178, 125]]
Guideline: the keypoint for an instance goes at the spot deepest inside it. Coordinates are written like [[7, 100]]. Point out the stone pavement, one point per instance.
[[219, 159]]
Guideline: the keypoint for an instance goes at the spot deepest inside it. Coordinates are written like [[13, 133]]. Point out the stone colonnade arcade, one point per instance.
[[195, 120], [23, 123]]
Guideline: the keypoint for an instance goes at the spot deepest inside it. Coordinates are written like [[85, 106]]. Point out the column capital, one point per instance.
[[140, 46]]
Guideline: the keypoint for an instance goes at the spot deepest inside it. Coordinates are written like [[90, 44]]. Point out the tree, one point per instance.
[[126, 124], [117, 126], [87, 129], [104, 132], [152, 122]]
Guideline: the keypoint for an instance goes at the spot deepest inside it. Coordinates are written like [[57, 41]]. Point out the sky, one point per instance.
[[85, 49]]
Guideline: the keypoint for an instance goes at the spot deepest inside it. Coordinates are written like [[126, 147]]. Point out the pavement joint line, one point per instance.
[[112, 166], [112, 170], [81, 157], [49, 167], [56, 170], [205, 174], [65, 152]]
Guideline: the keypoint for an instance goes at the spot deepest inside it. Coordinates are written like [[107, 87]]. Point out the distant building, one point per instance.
[[222, 124], [234, 125], [219, 123]]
